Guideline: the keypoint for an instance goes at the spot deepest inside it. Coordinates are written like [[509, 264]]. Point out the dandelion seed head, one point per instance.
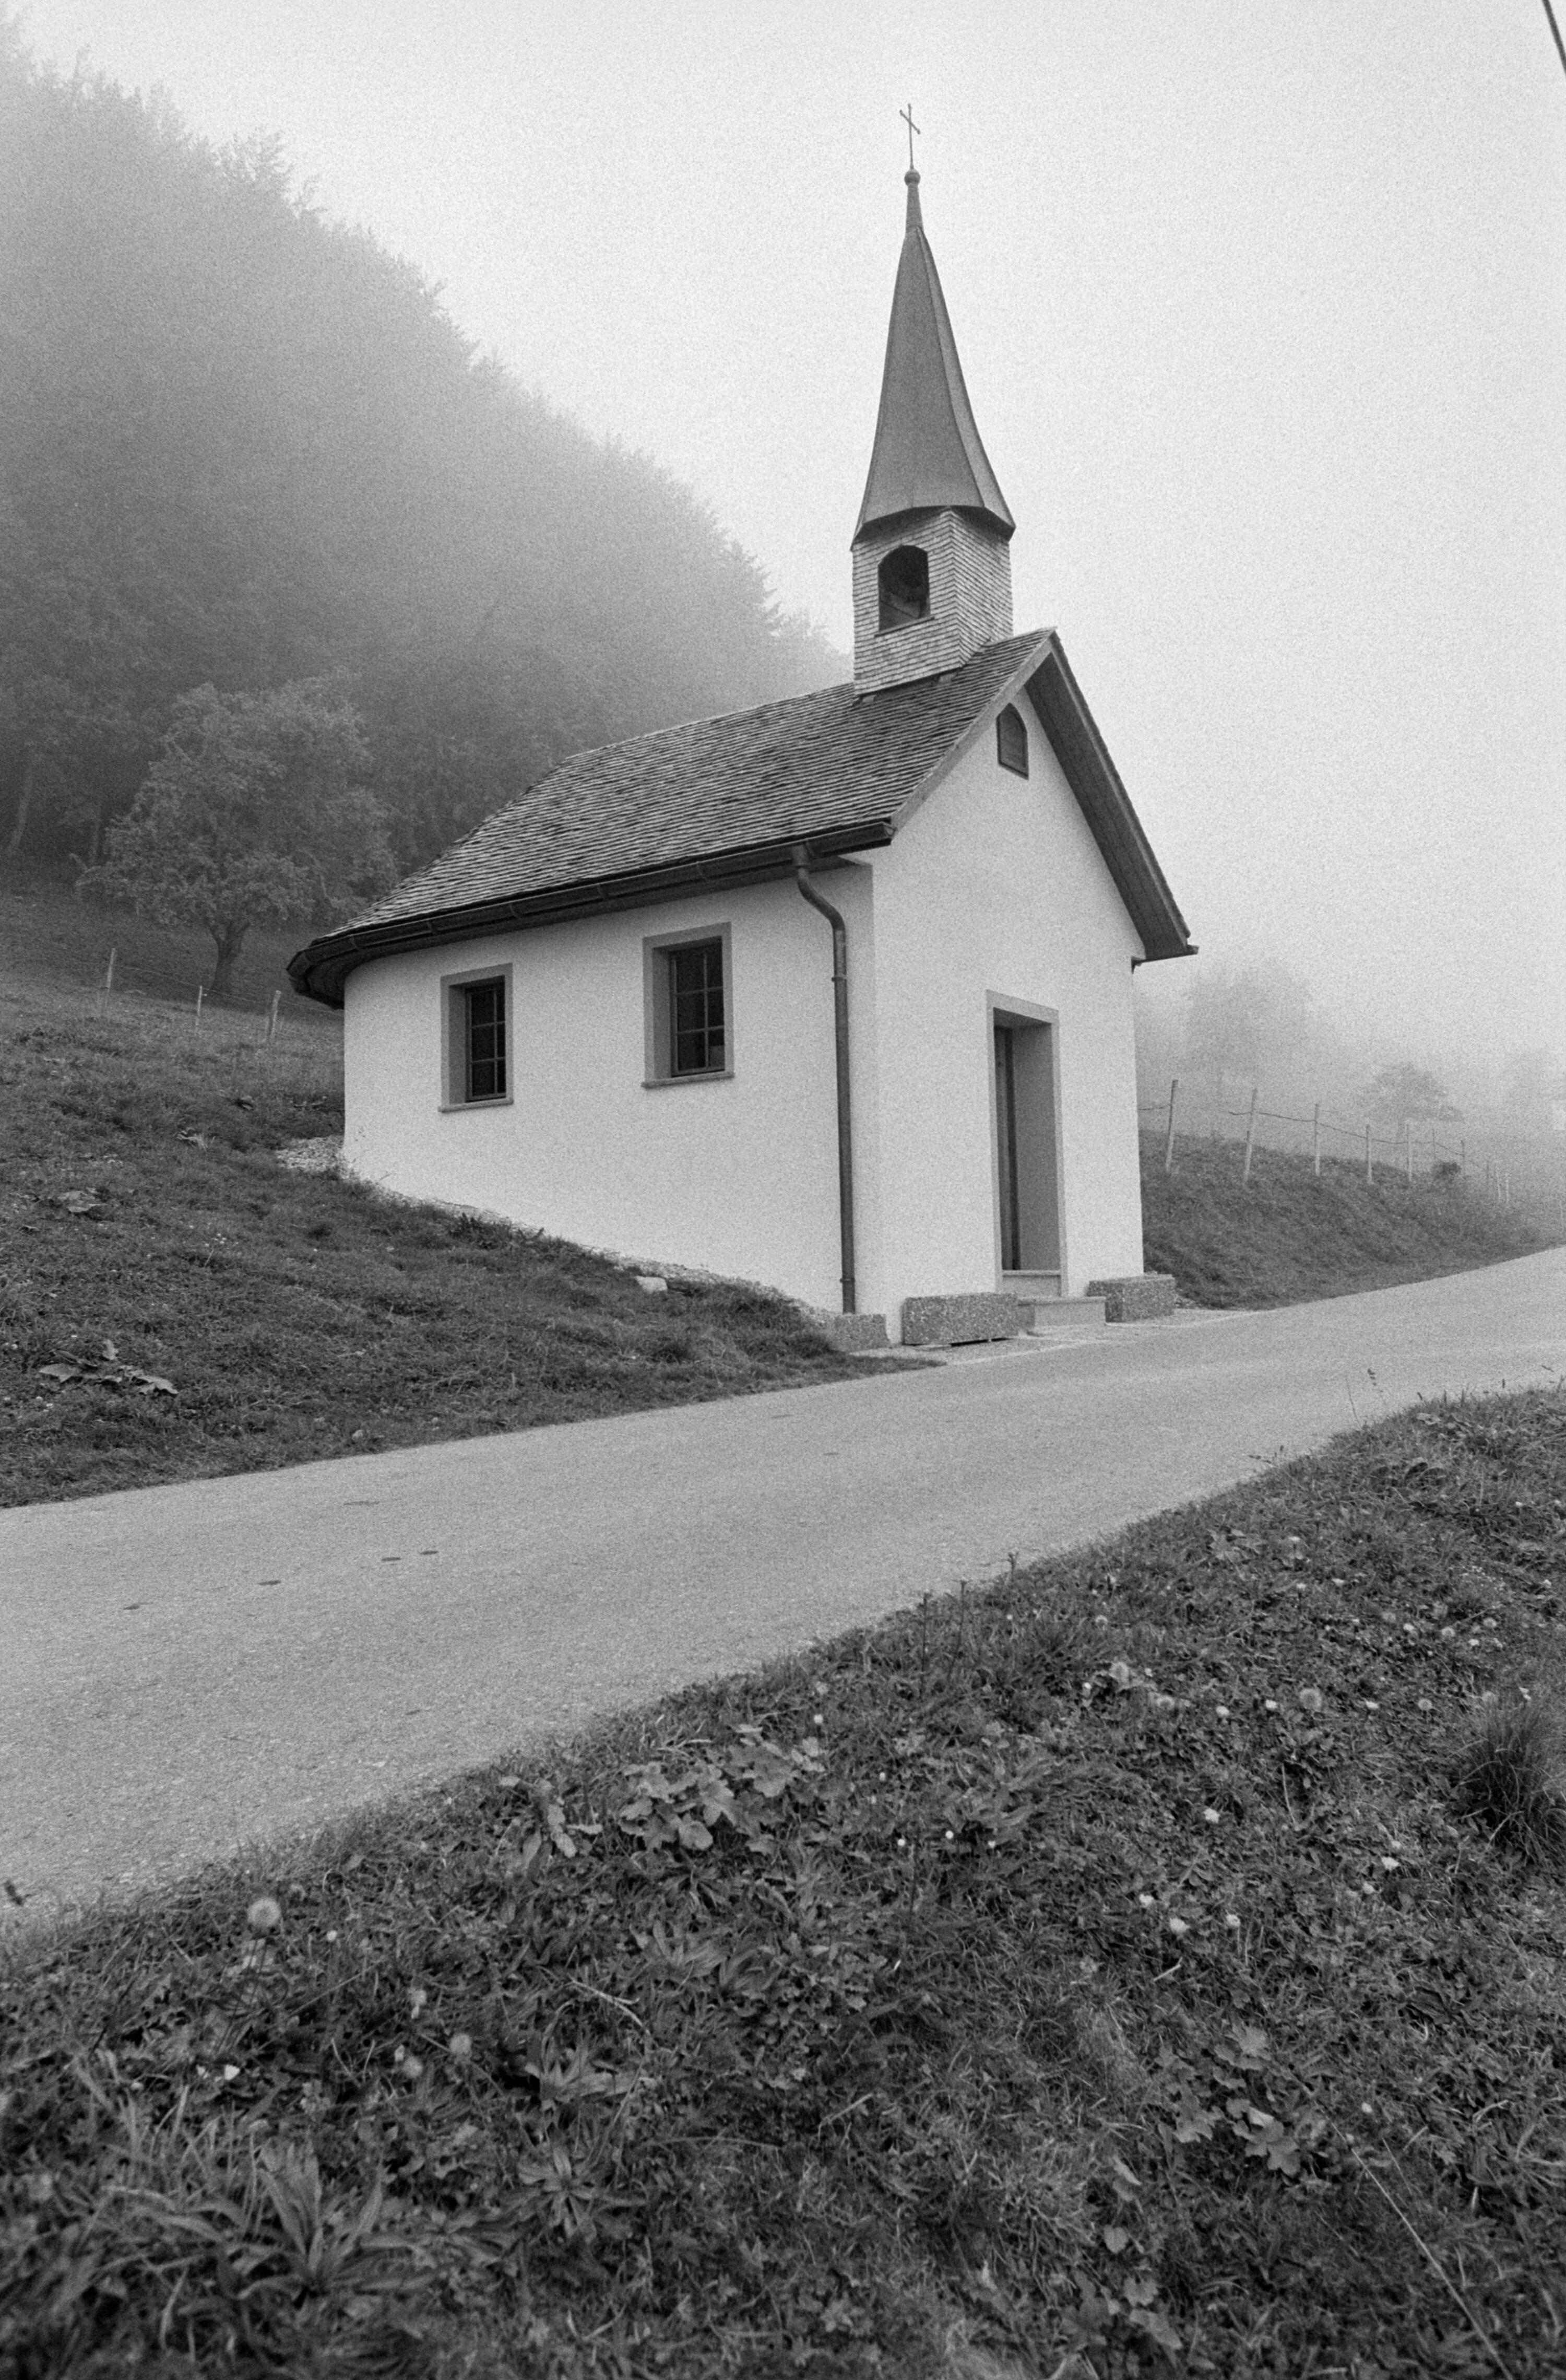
[[263, 1915]]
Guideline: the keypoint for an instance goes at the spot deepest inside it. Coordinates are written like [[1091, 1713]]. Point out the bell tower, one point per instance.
[[932, 568]]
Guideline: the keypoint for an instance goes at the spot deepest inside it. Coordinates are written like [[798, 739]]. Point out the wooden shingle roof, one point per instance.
[[727, 800]]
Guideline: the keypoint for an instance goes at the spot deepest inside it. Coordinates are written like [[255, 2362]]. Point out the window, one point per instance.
[[903, 580], [485, 1040], [1010, 741], [688, 1036], [476, 1069], [695, 1009]]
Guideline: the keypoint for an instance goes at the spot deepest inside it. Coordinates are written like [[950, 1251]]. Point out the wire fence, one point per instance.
[[1511, 1170]]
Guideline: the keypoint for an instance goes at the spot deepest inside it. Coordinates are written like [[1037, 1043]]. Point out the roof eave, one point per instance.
[[320, 970], [1105, 804]]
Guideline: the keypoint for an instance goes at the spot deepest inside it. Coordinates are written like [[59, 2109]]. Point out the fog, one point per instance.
[[1263, 311]]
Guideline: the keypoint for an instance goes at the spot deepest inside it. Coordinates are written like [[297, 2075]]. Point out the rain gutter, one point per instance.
[[844, 1113]]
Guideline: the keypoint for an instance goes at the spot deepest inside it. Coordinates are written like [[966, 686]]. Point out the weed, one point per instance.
[[1511, 1777]]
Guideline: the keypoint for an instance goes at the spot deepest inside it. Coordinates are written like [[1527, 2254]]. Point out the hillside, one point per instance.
[[1287, 1234], [174, 1302], [243, 445]]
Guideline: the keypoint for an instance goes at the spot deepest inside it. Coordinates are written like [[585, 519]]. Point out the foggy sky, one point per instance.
[[1262, 308]]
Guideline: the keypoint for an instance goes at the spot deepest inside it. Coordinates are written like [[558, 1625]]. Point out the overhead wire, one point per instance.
[[1559, 44]]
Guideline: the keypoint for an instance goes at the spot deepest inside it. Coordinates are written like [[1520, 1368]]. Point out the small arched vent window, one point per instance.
[[905, 588], [1010, 741]]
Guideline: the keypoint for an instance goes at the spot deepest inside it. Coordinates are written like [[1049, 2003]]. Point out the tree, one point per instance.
[[1246, 1023], [1403, 1095], [254, 812]]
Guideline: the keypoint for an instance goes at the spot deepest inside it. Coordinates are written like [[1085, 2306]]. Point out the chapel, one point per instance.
[[832, 994]]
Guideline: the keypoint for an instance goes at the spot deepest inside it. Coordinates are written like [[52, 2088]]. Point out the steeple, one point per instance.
[[928, 451], [933, 577]]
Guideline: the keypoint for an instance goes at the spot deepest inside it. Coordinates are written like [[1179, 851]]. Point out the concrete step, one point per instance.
[[1048, 1314]]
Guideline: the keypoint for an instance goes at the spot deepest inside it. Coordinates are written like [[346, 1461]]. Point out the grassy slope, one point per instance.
[[1286, 1235], [296, 1316], [49, 938], [1091, 1964]]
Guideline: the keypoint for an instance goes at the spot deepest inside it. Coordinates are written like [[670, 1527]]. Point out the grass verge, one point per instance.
[[1092, 1975], [174, 1303], [1288, 1234]]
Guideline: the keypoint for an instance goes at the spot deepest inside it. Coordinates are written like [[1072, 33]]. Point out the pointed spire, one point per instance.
[[927, 455]]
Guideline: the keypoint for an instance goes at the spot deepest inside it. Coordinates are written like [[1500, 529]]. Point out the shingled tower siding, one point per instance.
[[970, 598]]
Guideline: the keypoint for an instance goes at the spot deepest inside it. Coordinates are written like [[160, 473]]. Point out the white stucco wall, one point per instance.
[[739, 1175], [993, 893], [995, 889]]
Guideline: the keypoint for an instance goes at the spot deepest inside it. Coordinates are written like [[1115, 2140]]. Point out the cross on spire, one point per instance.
[[905, 115]]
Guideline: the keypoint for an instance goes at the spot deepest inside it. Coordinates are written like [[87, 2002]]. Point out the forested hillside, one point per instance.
[[244, 445]]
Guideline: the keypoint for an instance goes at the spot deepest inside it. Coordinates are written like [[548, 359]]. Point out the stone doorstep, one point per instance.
[[1137, 1296], [958, 1321], [1074, 1314], [851, 1334], [1012, 1312]]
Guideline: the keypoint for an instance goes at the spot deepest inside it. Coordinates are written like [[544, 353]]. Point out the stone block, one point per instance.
[[1135, 1296], [851, 1334], [956, 1322]]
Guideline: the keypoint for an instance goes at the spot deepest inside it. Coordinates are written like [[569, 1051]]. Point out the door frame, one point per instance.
[[1001, 1009]]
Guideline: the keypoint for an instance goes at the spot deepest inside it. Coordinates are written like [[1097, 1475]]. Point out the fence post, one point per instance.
[[1411, 1152], [109, 977], [1169, 1136], [1316, 1141], [1251, 1130], [1462, 1159], [1370, 1160], [271, 1020], [200, 988]]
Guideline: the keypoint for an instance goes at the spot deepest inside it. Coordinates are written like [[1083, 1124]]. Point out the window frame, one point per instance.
[[455, 1055], [1019, 767], [658, 1005]]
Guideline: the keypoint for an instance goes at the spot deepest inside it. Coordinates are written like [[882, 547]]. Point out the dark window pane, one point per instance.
[[903, 580], [1010, 741], [695, 1009], [485, 1039]]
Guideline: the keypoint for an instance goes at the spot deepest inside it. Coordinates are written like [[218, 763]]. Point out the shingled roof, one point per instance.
[[726, 801]]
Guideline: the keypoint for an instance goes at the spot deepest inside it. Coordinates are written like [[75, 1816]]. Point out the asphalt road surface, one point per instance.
[[185, 1669]]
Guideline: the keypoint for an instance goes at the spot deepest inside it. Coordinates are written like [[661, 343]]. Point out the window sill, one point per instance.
[[679, 1082], [471, 1107]]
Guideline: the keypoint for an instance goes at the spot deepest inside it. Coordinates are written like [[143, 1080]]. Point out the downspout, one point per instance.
[[844, 1117]]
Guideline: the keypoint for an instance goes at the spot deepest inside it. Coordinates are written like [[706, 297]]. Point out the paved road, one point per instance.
[[186, 1669]]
